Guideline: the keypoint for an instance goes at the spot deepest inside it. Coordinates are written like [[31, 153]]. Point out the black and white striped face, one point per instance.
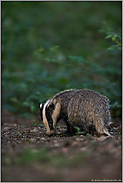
[[49, 115], [46, 111]]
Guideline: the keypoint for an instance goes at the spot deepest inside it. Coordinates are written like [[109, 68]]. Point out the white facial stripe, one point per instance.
[[55, 114], [44, 117]]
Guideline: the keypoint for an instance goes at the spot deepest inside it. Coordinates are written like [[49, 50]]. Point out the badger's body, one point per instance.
[[85, 109]]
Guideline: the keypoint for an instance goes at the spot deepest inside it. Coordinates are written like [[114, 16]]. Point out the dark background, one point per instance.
[[52, 46]]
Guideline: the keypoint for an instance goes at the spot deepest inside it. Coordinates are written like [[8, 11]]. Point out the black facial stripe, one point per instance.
[[49, 117], [64, 116], [41, 110]]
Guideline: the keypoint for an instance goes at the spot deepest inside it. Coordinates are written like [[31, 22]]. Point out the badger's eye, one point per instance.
[[50, 125], [51, 106]]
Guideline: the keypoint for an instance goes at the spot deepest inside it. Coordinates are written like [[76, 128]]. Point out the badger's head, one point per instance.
[[50, 112]]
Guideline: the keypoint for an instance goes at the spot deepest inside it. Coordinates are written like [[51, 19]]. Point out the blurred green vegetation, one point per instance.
[[31, 155], [52, 46]]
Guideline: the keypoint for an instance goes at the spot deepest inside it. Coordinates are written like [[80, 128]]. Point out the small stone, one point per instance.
[[15, 125], [42, 138], [56, 145], [35, 130], [33, 140], [6, 129]]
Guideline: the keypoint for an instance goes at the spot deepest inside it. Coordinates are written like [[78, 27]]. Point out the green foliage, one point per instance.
[[47, 47], [44, 156], [115, 37], [32, 155], [79, 132]]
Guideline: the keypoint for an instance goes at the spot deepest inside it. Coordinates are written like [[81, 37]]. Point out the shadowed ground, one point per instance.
[[29, 155]]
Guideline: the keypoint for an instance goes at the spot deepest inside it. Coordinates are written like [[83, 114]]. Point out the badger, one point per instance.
[[81, 108]]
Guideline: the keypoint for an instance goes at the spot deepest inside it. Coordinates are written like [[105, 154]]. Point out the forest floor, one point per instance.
[[28, 154]]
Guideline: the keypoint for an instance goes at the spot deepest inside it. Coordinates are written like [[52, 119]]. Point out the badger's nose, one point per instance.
[[50, 133]]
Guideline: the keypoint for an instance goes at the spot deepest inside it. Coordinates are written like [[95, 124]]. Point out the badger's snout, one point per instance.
[[50, 133]]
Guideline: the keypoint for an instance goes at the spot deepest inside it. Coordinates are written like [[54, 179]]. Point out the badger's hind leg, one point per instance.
[[100, 127]]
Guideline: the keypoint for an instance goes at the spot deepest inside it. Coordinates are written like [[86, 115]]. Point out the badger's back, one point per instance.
[[88, 108]]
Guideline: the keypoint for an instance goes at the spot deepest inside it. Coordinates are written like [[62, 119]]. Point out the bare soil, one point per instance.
[[28, 154]]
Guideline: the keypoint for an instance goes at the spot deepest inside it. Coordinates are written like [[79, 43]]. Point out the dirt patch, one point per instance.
[[29, 155]]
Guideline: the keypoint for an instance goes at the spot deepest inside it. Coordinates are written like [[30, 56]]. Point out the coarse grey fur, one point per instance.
[[88, 108], [83, 108]]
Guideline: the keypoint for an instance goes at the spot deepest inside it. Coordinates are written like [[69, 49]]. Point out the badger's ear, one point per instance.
[[51, 106], [41, 105], [41, 109]]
